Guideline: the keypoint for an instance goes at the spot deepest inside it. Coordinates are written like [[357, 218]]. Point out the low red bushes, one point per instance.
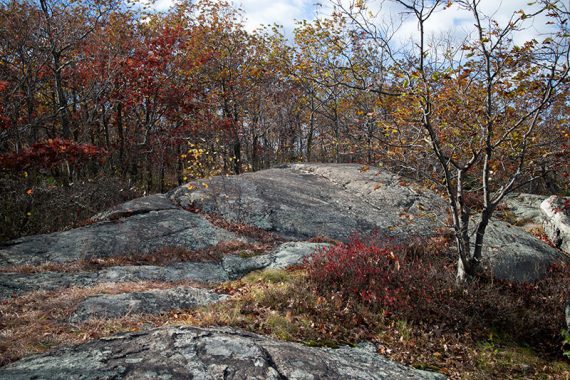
[[416, 283], [370, 273]]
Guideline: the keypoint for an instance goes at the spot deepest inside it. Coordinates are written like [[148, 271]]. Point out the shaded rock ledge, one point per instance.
[[136, 234]]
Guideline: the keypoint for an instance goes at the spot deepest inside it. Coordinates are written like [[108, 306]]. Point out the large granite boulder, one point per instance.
[[195, 353], [556, 212], [306, 200], [516, 255]]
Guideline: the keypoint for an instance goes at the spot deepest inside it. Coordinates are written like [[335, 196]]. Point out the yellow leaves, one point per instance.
[[190, 187]]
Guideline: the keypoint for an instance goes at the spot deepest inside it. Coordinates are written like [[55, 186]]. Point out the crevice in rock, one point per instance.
[[127, 214], [271, 363]]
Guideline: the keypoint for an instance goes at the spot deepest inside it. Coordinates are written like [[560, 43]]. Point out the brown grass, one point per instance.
[[248, 231], [281, 304], [38, 321], [285, 304]]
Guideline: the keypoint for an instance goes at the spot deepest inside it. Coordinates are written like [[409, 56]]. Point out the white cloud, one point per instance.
[[158, 5], [162, 5], [281, 12]]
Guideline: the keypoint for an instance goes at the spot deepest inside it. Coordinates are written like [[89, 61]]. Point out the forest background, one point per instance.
[[102, 101]]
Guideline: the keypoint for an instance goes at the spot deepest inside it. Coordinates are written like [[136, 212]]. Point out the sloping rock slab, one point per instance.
[[194, 353], [302, 201], [136, 234], [230, 268], [14, 284], [149, 302], [144, 205], [288, 254], [557, 222], [515, 254]]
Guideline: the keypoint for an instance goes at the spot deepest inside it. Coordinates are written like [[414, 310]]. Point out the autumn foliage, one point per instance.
[[51, 153]]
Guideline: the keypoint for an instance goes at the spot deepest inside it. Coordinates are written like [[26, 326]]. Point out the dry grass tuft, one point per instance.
[[38, 321]]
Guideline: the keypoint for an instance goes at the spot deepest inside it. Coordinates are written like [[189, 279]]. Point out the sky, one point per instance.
[[452, 20]]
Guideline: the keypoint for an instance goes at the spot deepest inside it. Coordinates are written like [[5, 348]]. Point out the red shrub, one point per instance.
[[416, 282], [368, 273]]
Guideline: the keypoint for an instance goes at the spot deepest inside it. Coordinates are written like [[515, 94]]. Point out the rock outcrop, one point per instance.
[[557, 221], [149, 302], [297, 202], [231, 267], [137, 234], [514, 254], [525, 208], [305, 200], [194, 353]]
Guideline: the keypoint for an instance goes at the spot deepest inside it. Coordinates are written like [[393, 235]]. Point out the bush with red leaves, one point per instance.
[[50, 153], [416, 283], [371, 274]]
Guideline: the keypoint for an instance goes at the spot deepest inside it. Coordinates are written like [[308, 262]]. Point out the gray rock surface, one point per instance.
[[514, 254], [306, 200], [557, 222], [149, 302], [525, 208], [13, 284], [141, 233], [284, 255], [144, 205], [288, 254], [194, 353], [231, 267]]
